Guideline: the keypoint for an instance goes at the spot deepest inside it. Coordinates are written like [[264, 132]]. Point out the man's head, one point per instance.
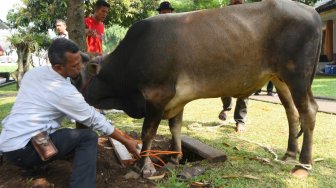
[[165, 7], [101, 9], [236, 2], [65, 57], [60, 26]]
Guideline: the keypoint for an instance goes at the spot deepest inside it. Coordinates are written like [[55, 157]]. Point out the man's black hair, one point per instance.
[[101, 3], [58, 48]]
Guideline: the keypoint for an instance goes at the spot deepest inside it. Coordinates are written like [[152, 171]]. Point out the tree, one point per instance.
[[75, 27], [26, 42]]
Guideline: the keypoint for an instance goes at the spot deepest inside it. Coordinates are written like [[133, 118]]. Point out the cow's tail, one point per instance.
[[316, 61]]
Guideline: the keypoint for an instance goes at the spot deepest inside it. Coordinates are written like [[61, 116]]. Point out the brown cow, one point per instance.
[[166, 61]]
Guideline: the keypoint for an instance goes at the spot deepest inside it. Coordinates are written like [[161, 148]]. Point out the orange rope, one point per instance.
[[155, 153], [151, 153]]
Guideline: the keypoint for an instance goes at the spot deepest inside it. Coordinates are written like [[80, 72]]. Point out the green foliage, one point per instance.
[[113, 35], [27, 37], [190, 5], [124, 12], [40, 14], [308, 2]]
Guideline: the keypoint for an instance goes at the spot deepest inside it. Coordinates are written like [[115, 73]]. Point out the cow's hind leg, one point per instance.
[[300, 89], [175, 125], [307, 107], [292, 118]]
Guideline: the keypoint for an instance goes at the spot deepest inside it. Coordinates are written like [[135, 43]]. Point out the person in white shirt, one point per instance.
[[44, 98], [61, 31]]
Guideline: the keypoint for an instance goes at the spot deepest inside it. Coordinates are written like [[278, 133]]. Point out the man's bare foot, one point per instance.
[[240, 127]]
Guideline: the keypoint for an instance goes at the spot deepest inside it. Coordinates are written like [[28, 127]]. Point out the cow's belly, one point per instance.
[[190, 89]]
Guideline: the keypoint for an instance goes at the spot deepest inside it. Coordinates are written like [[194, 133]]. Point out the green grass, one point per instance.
[[266, 127], [9, 89], [8, 68], [324, 86]]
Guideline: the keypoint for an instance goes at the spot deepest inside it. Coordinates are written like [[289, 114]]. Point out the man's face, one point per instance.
[[165, 11], [60, 27], [73, 66], [101, 13]]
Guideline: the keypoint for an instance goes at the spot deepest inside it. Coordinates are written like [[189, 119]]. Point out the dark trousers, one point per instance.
[[269, 88], [81, 142], [240, 109]]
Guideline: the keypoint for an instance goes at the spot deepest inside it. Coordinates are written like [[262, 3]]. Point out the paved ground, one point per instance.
[[327, 106]]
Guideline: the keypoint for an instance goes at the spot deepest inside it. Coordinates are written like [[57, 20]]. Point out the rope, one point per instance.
[[268, 149], [150, 153], [155, 154], [276, 157]]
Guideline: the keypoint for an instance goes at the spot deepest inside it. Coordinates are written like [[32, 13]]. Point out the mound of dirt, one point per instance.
[[109, 172]]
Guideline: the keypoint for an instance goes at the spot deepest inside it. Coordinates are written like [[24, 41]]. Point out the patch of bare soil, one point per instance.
[[109, 172]]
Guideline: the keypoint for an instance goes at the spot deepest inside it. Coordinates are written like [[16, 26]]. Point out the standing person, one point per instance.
[[269, 89], [95, 28], [61, 31], [45, 97], [241, 103], [2, 52], [165, 7]]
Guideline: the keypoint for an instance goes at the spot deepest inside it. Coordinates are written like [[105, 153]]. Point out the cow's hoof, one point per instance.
[[299, 172], [148, 169]]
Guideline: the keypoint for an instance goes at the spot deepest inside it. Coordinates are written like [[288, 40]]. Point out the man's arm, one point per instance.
[[75, 107]]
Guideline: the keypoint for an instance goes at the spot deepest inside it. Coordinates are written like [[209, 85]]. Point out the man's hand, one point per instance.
[[132, 147], [91, 32], [130, 144]]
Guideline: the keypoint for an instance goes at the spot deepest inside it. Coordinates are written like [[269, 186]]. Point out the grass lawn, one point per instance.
[[8, 68], [324, 86], [266, 128]]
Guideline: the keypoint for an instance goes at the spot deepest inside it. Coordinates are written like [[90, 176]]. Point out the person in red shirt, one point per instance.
[[95, 28], [1, 51]]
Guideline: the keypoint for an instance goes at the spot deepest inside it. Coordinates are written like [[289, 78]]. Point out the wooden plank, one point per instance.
[[203, 150], [124, 157]]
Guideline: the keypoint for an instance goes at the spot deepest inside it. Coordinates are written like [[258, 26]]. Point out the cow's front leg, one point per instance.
[[175, 125], [149, 128]]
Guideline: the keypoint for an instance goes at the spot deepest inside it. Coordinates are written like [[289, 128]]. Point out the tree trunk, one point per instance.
[[24, 59], [75, 22]]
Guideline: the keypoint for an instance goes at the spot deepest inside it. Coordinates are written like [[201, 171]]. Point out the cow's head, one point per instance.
[[90, 69]]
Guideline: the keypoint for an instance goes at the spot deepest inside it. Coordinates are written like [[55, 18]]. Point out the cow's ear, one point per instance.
[[93, 69]]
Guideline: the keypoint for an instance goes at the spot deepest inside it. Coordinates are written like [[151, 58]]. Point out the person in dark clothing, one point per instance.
[[241, 103], [269, 89]]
